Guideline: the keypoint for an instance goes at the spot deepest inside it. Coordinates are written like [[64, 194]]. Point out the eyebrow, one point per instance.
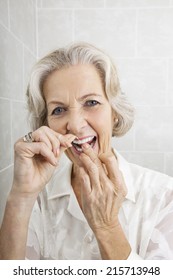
[[80, 99]]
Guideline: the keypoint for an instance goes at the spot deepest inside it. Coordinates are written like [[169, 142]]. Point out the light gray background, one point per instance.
[[137, 33]]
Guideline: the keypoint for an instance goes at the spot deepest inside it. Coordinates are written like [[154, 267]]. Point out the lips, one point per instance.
[[77, 143]]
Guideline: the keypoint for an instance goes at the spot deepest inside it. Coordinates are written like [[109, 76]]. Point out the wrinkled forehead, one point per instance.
[[75, 80]]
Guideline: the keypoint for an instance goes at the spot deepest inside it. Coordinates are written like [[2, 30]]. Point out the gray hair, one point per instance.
[[78, 53]]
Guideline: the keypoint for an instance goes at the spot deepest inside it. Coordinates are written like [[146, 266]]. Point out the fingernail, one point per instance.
[[85, 146]]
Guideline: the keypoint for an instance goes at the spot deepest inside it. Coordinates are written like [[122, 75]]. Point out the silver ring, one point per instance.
[[28, 138]]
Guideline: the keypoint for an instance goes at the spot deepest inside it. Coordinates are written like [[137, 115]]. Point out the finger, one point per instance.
[[53, 139], [40, 136], [46, 135], [94, 157], [56, 139], [67, 139], [30, 150], [111, 164], [66, 142], [113, 172], [91, 154], [85, 183], [91, 169], [36, 148]]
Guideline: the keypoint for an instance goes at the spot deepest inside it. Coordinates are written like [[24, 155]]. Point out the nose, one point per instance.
[[76, 122]]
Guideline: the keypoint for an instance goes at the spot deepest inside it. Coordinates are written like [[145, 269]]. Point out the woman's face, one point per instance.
[[77, 104]]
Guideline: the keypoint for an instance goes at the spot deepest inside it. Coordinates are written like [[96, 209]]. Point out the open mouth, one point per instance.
[[77, 143]]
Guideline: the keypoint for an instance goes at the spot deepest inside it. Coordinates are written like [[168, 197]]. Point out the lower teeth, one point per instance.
[[78, 149]]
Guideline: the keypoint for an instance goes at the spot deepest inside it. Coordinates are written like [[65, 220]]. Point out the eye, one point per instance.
[[91, 103], [58, 111]]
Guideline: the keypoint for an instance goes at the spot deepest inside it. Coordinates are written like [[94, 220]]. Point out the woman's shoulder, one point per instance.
[[145, 178], [154, 177]]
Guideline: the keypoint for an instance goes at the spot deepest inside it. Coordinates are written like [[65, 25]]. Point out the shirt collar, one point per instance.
[[60, 184], [124, 167]]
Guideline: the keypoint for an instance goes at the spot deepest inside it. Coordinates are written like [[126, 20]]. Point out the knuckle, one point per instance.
[[110, 159], [92, 169], [42, 145], [44, 128], [95, 160], [107, 157], [121, 189], [17, 146], [41, 131], [38, 135]]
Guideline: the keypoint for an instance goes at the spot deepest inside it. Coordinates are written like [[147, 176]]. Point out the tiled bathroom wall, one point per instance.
[[17, 55], [138, 34]]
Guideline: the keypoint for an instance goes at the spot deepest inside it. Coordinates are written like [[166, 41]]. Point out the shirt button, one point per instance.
[[89, 238]]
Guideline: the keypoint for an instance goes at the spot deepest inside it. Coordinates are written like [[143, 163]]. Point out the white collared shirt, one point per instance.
[[58, 229]]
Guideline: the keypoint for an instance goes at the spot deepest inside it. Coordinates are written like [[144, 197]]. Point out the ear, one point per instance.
[[114, 118]]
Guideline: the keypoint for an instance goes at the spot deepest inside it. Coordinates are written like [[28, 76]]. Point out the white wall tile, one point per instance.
[[124, 143], [169, 164], [137, 3], [29, 61], [19, 120], [155, 32], [39, 3], [154, 129], [10, 66], [108, 29], [5, 185], [4, 16], [55, 29], [5, 133], [150, 160], [143, 80], [23, 22], [72, 4]]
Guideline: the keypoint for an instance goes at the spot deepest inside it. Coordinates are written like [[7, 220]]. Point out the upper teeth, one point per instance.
[[79, 142]]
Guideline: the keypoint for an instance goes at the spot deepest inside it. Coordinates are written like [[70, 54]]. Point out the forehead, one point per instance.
[[74, 77]]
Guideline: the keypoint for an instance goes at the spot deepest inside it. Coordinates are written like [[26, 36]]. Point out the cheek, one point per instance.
[[57, 125], [103, 127], [103, 121]]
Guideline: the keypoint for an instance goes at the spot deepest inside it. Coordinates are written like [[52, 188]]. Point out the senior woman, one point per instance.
[[91, 204]]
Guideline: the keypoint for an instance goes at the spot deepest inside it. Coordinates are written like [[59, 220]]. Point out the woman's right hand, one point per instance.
[[35, 162]]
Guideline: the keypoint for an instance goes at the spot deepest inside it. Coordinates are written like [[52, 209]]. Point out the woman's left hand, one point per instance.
[[102, 189]]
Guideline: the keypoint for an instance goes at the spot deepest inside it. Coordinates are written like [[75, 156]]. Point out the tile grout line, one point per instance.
[[107, 8], [5, 168], [73, 30], [9, 24], [167, 82], [11, 99], [136, 34], [17, 39], [36, 27]]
